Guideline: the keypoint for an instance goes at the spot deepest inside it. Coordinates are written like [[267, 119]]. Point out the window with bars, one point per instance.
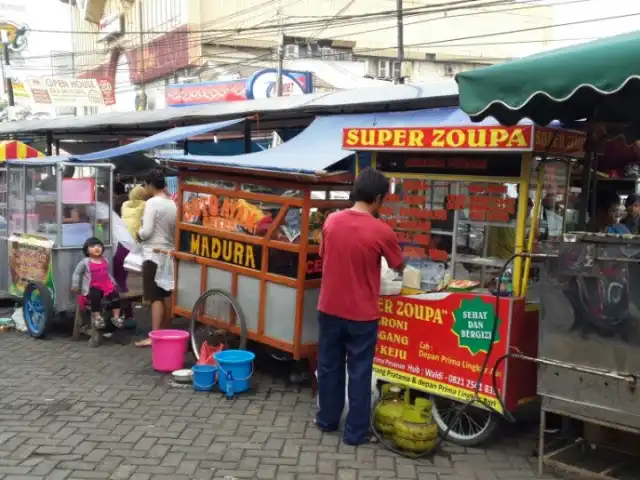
[[162, 15], [388, 69]]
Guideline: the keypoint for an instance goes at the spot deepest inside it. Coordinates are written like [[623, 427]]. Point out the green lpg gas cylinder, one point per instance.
[[389, 409], [415, 430]]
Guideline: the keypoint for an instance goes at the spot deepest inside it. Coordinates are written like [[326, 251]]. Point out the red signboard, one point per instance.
[[470, 138], [107, 89], [519, 138], [201, 94], [163, 56], [439, 345]]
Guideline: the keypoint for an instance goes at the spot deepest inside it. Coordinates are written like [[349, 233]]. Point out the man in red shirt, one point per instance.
[[353, 243]]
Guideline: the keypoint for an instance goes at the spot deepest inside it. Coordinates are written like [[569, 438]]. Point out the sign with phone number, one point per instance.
[[439, 345]]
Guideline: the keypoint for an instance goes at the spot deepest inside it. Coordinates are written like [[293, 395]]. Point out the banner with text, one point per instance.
[[64, 92], [30, 260], [439, 345]]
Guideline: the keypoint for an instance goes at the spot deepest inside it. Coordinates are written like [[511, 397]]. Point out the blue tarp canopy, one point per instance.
[[157, 140], [319, 146]]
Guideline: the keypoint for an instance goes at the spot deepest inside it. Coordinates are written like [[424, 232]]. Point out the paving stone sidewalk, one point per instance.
[[71, 412]]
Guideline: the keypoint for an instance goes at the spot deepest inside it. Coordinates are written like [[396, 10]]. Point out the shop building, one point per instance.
[[137, 47], [142, 46]]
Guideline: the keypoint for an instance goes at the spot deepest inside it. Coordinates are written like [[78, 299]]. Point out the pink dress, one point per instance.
[[100, 277]]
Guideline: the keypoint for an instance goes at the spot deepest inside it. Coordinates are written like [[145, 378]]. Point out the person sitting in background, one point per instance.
[[632, 218], [605, 218], [501, 241], [133, 209]]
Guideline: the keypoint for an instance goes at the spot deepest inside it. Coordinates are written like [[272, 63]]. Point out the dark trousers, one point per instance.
[[120, 276], [354, 343], [95, 297]]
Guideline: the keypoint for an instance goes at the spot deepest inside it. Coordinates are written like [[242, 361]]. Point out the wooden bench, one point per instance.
[[83, 317]]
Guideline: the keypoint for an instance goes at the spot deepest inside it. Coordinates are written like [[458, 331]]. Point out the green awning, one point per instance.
[[600, 77]]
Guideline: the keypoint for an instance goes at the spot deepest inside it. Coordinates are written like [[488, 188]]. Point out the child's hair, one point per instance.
[[90, 242]]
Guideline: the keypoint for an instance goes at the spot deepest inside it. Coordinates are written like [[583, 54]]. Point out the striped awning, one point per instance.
[[13, 149]]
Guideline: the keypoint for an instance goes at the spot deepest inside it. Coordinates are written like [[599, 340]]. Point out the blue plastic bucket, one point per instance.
[[235, 368], [204, 377]]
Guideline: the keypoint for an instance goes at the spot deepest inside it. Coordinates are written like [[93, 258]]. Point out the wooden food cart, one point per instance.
[[456, 207], [247, 253]]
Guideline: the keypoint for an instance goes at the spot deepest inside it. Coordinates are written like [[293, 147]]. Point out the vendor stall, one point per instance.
[[461, 204], [247, 253], [588, 356], [53, 207]]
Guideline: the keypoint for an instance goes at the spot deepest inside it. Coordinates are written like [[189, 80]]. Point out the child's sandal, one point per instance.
[[98, 322], [118, 322]]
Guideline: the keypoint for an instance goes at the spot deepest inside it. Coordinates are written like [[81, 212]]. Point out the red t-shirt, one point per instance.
[[352, 245]]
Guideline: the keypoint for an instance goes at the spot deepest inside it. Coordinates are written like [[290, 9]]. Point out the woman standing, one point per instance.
[[157, 232]]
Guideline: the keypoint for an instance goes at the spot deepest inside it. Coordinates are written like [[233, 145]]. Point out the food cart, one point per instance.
[[9, 149], [588, 355], [454, 199], [53, 206], [246, 254]]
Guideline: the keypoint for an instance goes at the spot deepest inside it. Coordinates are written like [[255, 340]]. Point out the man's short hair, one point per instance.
[[370, 186], [605, 199], [631, 200]]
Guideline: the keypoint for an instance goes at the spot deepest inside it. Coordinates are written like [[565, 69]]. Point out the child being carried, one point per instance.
[[92, 279]]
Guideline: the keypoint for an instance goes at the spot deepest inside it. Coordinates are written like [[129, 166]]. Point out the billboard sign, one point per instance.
[[64, 92], [261, 84]]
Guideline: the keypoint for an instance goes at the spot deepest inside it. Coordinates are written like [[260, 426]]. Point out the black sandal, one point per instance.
[[323, 429], [369, 439]]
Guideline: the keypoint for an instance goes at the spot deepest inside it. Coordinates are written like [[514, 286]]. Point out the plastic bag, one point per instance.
[[375, 394], [133, 261], [18, 320], [389, 285], [164, 274], [207, 352]]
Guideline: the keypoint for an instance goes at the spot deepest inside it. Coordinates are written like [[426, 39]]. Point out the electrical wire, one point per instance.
[[441, 42], [502, 2], [444, 7]]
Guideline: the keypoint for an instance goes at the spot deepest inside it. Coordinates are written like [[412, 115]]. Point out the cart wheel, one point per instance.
[[223, 307], [472, 427], [38, 309]]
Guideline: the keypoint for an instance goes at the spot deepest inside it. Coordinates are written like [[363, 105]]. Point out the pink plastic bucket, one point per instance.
[[168, 348]]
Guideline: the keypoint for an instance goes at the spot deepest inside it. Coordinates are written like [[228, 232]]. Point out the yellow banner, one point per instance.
[[20, 91], [433, 387]]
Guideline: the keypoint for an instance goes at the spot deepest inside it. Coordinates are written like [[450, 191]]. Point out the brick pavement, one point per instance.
[[71, 412]]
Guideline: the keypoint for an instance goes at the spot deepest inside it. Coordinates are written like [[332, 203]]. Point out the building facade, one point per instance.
[[136, 46], [142, 46]]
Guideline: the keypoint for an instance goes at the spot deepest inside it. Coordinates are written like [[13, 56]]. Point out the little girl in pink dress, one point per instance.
[[92, 279]]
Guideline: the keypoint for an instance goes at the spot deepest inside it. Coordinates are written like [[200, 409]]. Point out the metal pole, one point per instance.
[[73, 51], [143, 89], [247, 137], [279, 69], [400, 31], [50, 143], [280, 53], [7, 62]]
